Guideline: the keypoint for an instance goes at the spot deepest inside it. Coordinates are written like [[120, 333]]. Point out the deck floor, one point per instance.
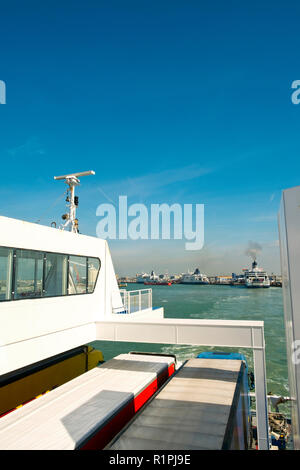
[[190, 412]]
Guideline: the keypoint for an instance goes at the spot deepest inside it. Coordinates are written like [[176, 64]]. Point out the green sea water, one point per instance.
[[219, 302]]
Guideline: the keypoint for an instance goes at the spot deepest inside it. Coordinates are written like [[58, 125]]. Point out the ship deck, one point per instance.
[[192, 411]]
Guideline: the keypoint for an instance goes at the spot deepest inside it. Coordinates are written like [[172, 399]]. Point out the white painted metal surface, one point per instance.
[[289, 232]]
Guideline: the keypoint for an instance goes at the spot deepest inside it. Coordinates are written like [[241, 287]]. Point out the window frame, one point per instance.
[[9, 273], [44, 253], [86, 274], [44, 277], [15, 279]]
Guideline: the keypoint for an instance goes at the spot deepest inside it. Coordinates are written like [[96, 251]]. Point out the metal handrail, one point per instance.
[[133, 300]]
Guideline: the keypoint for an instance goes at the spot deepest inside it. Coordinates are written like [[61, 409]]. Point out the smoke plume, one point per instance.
[[253, 250]]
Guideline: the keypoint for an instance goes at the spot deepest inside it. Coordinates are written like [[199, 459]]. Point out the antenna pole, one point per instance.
[[70, 218]]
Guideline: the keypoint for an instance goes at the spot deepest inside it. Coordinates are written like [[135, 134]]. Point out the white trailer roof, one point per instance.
[[66, 417]]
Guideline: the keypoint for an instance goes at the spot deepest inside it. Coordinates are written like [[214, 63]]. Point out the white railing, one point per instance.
[[136, 300]]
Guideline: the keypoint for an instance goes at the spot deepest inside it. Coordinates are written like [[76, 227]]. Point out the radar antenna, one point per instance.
[[72, 201]]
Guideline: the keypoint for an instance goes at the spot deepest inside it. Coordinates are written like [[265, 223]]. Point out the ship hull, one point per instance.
[[202, 283], [257, 286], [157, 283]]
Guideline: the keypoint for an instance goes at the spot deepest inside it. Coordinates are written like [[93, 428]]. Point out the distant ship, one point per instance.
[[141, 278], [256, 277], [194, 278], [154, 280], [157, 283]]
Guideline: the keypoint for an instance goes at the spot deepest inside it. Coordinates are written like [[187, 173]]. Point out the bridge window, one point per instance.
[[77, 275], [55, 280], [93, 270], [27, 274], [6, 255]]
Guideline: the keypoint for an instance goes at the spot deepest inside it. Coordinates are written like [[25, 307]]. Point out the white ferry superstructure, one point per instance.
[[194, 278], [256, 277]]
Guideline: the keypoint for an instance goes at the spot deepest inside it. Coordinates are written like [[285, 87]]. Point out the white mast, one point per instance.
[[72, 181]]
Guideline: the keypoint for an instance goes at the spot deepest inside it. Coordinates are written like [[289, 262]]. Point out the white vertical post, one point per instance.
[[128, 301], [289, 229], [140, 301], [72, 181], [9, 286], [261, 399], [72, 208]]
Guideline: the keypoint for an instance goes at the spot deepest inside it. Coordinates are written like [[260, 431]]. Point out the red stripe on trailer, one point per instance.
[[109, 431]]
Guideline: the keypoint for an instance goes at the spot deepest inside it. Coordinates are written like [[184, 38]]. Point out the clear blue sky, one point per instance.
[[168, 101]]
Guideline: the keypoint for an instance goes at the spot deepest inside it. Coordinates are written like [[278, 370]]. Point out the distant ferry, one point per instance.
[[194, 278], [154, 280], [141, 278], [256, 277]]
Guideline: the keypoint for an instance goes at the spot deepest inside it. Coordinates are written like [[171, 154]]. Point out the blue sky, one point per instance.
[[168, 101]]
